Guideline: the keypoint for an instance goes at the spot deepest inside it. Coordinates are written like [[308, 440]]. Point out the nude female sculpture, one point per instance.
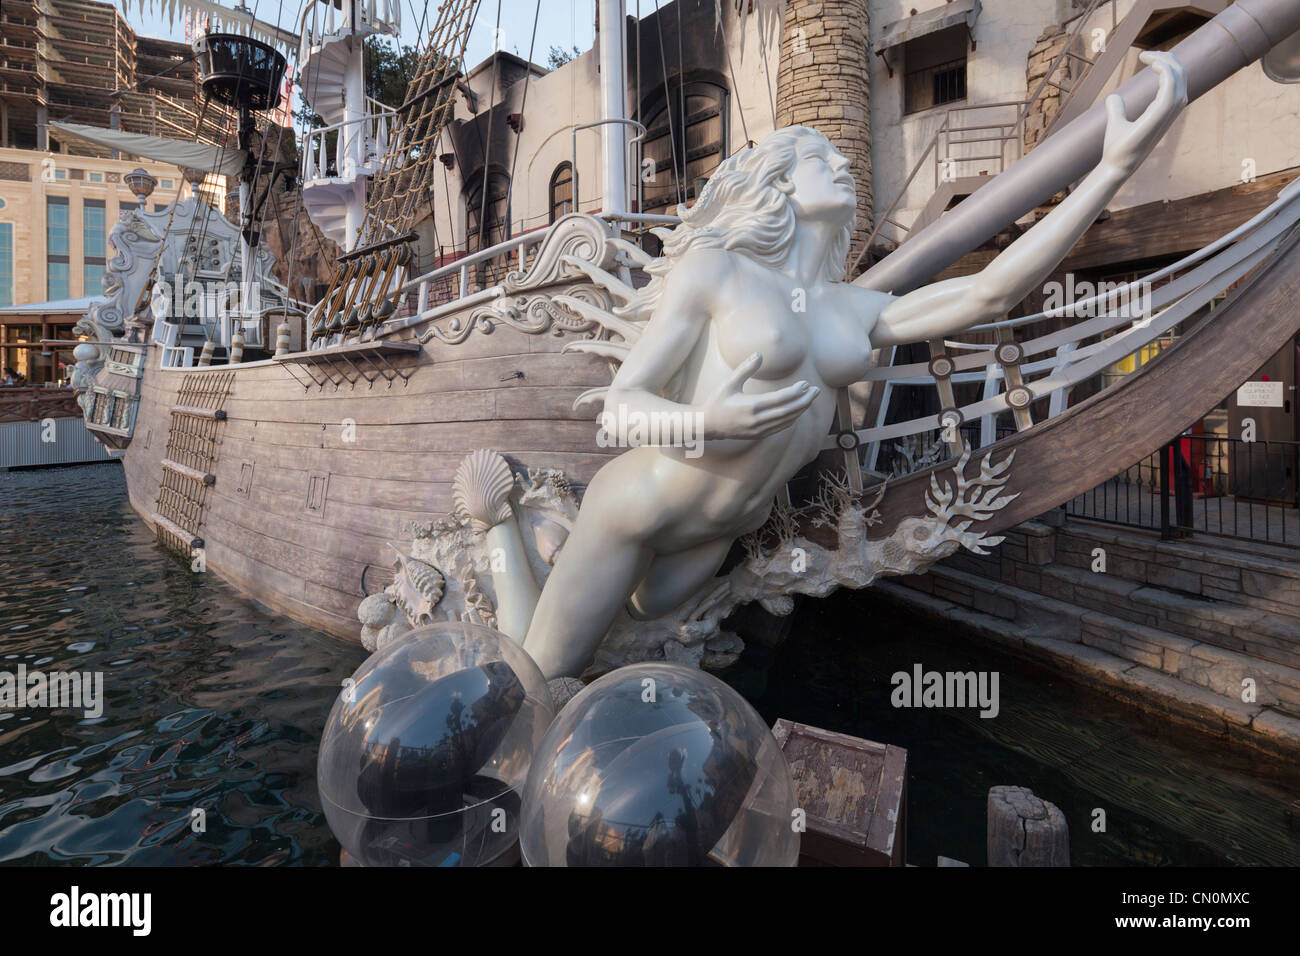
[[753, 330]]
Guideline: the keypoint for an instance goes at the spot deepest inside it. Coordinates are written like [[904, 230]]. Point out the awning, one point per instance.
[[931, 21], [57, 307], [210, 159]]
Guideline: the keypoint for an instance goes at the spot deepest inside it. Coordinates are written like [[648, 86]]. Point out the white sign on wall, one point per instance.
[[1260, 395]]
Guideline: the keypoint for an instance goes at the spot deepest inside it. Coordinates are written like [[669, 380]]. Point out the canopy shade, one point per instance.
[[211, 159], [931, 21]]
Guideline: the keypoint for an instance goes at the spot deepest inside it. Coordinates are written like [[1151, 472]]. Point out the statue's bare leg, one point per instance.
[[591, 579], [673, 578]]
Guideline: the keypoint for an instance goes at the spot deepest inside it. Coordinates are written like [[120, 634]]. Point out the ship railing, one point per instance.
[[1125, 320], [172, 354], [320, 160], [324, 20], [458, 277]]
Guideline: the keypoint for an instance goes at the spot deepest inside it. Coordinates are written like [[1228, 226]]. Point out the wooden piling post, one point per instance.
[[1025, 830]]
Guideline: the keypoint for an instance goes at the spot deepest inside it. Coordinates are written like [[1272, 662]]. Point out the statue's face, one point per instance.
[[823, 185]]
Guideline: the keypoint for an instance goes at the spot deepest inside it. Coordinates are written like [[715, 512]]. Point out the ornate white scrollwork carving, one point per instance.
[[576, 235], [534, 314]]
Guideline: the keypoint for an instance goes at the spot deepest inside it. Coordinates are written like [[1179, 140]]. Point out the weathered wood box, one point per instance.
[[854, 792]]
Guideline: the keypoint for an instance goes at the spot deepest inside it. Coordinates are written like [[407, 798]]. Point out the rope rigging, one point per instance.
[[359, 296]]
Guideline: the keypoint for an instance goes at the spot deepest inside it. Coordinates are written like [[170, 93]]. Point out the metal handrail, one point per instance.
[[313, 165], [421, 284], [641, 133], [384, 15], [1218, 267]]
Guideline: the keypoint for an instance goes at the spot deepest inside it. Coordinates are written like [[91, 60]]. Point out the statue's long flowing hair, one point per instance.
[[745, 207]]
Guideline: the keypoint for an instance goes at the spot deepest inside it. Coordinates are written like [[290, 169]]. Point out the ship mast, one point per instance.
[[613, 91], [352, 135]]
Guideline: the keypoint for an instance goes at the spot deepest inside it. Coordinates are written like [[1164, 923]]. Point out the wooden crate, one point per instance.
[[854, 792]]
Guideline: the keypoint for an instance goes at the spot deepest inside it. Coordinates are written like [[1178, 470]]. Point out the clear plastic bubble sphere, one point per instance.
[[659, 765], [426, 751]]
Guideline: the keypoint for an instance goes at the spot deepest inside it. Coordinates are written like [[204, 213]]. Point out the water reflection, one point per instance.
[[213, 704], [210, 703]]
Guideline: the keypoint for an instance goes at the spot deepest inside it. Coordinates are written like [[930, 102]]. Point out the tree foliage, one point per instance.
[[557, 56], [388, 71]]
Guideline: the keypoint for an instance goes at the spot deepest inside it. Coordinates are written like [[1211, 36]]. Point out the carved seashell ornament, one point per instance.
[[416, 589], [550, 538], [481, 489]]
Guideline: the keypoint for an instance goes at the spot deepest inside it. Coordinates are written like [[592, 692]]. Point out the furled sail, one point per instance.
[[223, 161]]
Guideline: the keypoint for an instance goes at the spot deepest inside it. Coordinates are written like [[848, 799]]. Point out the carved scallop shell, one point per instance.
[[481, 489]]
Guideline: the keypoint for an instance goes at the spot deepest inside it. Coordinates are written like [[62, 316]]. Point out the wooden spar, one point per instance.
[[1234, 39]]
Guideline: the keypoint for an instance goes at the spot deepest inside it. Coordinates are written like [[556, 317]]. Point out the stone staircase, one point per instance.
[[1194, 630]]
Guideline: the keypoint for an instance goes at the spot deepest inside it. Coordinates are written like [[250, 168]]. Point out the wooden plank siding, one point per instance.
[[261, 536]]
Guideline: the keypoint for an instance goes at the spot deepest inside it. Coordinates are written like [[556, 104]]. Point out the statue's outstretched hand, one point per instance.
[[1128, 143], [730, 413]]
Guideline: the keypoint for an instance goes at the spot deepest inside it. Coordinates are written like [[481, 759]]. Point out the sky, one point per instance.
[[562, 23]]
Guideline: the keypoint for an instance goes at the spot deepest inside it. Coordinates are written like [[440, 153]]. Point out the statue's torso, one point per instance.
[[819, 334]]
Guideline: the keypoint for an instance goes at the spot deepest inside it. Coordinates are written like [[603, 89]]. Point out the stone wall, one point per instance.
[[823, 82], [1046, 48], [1174, 626]]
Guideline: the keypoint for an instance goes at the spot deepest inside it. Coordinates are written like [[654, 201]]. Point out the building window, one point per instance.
[[487, 223], [562, 191], [94, 246], [167, 184], [6, 263], [93, 177], [93, 279], [686, 140], [57, 284], [934, 69]]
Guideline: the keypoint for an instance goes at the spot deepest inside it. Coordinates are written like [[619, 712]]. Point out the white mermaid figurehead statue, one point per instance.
[[743, 338]]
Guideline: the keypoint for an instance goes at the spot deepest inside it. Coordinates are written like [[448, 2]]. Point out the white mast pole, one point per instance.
[[613, 86], [352, 136]]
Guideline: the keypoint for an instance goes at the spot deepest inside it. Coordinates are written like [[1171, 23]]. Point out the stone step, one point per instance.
[[1266, 579], [1139, 591], [1255, 724], [1178, 653]]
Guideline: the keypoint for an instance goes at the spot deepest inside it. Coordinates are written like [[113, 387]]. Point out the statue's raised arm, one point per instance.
[[944, 307]]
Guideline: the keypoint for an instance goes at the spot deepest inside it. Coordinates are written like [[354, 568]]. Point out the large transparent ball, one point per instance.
[[426, 751], [659, 765]]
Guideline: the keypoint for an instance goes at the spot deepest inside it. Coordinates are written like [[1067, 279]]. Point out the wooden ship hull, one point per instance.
[[297, 478], [302, 491], [310, 484]]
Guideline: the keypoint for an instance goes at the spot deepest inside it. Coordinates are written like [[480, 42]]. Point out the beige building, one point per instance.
[[55, 214], [56, 211]]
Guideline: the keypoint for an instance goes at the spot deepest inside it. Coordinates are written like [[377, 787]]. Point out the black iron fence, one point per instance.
[[1205, 483]]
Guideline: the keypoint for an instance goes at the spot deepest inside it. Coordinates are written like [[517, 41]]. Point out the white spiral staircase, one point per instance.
[[339, 158]]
